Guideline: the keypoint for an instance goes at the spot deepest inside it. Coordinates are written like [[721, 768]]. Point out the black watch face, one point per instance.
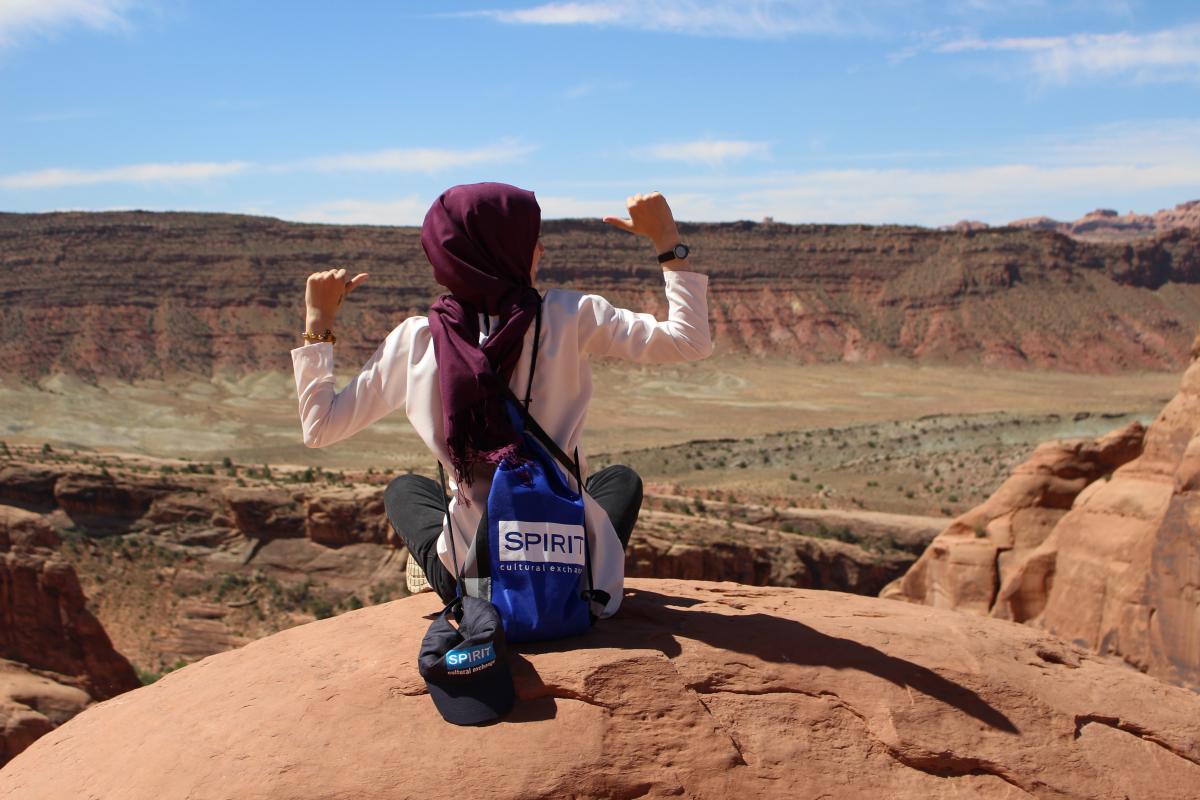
[[681, 251]]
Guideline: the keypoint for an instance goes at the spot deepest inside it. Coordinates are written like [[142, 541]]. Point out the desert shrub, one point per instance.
[[320, 607], [46, 449], [793, 476], [230, 582], [167, 469], [226, 462]]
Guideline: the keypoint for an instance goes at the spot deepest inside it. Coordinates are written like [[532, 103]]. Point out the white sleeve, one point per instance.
[[328, 416], [605, 330]]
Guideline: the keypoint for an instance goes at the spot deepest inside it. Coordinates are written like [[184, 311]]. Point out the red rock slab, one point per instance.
[[700, 690]]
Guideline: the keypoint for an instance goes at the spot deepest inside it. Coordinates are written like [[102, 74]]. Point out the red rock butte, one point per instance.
[[704, 690]]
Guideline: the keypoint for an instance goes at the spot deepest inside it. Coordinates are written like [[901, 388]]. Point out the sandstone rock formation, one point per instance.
[[873, 549], [1106, 225], [55, 658], [965, 566], [32, 705], [1117, 574], [694, 690], [813, 293]]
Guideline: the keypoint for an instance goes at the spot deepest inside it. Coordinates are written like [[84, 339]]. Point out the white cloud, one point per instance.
[[428, 160], [560, 207], [712, 152], [417, 159], [43, 17], [404, 211], [133, 173], [1172, 54], [728, 18], [1058, 177]]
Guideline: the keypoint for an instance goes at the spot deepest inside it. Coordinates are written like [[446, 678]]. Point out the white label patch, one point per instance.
[[542, 542]]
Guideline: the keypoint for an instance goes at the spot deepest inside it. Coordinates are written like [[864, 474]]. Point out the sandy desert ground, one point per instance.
[[895, 437]]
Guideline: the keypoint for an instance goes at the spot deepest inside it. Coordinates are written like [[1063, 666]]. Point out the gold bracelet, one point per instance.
[[327, 336]]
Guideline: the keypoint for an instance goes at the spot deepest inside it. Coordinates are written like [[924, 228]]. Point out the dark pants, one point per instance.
[[416, 509]]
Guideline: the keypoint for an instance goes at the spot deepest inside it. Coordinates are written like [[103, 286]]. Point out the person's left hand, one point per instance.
[[323, 295]]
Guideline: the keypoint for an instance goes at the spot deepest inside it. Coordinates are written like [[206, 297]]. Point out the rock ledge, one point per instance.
[[706, 690]]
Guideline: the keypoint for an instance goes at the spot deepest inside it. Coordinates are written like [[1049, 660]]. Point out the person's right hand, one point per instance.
[[649, 216]]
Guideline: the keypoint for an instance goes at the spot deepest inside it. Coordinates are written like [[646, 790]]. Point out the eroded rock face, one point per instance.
[[1105, 224], [810, 293], [31, 705], [695, 689], [965, 566], [669, 545], [44, 621], [1120, 572], [1117, 573], [55, 657]]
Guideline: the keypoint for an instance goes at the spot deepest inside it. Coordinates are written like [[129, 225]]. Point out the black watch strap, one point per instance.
[[678, 251]]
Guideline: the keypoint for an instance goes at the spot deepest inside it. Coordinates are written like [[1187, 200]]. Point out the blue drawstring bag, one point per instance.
[[537, 547]]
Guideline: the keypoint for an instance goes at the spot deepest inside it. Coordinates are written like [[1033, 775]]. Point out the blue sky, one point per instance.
[[807, 111]]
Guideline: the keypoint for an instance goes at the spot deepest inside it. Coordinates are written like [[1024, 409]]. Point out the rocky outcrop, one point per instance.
[[850, 552], [32, 705], [1105, 224], [1001, 297], [46, 623], [1117, 573], [965, 566], [694, 690], [55, 658]]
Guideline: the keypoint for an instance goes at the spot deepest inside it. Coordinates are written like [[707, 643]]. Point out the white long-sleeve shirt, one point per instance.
[[575, 326]]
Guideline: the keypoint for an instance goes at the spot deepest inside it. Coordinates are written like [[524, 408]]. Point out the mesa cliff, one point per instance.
[[704, 690], [147, 295]]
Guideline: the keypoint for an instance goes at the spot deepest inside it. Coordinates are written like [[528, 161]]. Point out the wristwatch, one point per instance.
[[679, 251]]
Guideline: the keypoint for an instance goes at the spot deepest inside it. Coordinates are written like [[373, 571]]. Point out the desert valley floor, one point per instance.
[[918, 439]]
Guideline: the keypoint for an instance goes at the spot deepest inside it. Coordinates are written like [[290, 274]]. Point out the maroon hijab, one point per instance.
[[480, 239]]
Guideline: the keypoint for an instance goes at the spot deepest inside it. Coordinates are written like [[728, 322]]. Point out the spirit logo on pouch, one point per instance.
[[541, 546]]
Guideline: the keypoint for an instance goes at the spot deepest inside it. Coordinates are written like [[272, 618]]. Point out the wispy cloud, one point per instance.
[[1064, 177], [712, 152], [727, 18], [417, 159], [403, 211], [20, 18], [133, 173], [427, 160], [1172, 54]]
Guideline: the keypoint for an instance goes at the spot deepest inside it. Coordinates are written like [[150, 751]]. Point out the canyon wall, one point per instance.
[[136, 294]]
